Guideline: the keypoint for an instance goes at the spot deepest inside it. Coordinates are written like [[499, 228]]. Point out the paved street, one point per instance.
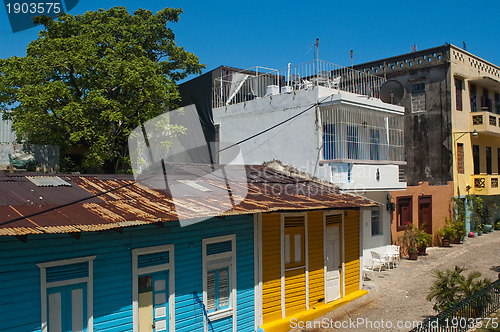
[[399, 295]]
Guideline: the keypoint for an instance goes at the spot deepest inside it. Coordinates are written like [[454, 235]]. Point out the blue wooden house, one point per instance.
[[103, 253]]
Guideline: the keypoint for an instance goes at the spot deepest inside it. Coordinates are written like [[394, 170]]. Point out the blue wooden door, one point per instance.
[[67, 308], [160, 301], [153, 302]]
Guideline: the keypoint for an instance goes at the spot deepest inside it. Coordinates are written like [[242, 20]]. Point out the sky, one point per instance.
[[245, 34]]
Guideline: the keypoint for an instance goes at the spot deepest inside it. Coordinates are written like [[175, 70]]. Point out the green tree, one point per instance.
[[451, 286], [89, 80]]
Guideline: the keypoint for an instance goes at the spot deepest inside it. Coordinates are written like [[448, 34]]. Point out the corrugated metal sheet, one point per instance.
[[117, 201], [6, 134], [48, 181]]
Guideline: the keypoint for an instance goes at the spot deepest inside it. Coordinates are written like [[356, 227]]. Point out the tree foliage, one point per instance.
[[89, 80], [451, 286]]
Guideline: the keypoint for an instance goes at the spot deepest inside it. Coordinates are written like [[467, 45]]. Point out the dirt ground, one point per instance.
[[396, 297]]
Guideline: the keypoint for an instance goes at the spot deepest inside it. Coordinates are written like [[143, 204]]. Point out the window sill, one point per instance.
[[220, 314]]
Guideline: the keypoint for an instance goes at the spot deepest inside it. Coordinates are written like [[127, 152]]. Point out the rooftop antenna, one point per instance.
[[317, 48], [317, 56], [414, 48], [465, 46]]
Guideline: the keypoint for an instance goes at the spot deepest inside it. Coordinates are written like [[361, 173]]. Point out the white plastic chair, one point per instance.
[[392, 254], [377, 258], [335, 83]]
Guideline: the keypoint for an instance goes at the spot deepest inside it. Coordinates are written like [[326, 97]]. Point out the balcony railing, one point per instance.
[[485, 122], [486, 184], [353, 135], [258, 82]]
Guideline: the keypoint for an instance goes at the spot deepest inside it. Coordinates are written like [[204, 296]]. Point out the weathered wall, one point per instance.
[[442, 207], [427, 113]]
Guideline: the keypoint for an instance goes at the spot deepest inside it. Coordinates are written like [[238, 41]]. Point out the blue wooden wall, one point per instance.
[[20, 276]]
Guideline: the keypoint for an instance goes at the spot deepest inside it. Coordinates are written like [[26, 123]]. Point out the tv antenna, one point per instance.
[[391, 92]]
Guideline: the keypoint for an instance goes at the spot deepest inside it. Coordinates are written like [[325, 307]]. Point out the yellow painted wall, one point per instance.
[[295, 291], [466, 66], [271, 267], [316, 260], [351, 240]]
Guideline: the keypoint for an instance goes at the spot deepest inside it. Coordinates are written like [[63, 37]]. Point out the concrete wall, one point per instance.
[[298, 142], [442, 207], [46, 156], [428, 120], [379, 242]]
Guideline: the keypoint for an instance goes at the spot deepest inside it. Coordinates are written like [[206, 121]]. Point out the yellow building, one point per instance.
[[310, 265], [452, 130], [476, 124]]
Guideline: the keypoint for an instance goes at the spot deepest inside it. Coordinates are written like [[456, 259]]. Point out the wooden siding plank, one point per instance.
[[271, 267], [20, 277]]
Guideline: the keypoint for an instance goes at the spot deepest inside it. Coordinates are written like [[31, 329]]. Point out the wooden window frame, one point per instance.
[[220, 261], [458, 94], [460, 158], [399, 223]]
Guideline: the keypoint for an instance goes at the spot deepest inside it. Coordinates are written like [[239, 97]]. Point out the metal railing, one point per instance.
[[350, 132], [465, 314], [241, 86]]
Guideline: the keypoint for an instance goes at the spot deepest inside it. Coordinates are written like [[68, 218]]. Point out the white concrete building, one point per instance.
[[322, 119]]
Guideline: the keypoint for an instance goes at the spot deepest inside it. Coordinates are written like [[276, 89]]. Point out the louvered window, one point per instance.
[[67, 272], [333, 219], [220, 280], [217, 289], [294, 242], [157, 258]]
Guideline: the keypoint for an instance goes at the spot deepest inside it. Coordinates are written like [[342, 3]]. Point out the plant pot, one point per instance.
[[445, 242], [488, 228], [456, 240], [480, 233], [413, 256], [421, 251]]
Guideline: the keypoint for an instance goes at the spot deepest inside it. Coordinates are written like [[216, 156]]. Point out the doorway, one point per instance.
[[333, 263], [153, 289], [425, 213]]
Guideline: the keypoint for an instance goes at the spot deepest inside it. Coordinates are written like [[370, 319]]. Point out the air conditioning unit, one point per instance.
[[286, 89], [272, 90]]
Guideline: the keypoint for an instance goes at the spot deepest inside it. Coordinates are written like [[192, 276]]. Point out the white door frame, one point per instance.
[[90, 287], [342, 258], [170, 266]]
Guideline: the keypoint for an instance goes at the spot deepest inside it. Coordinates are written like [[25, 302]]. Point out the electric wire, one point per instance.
[[133, 183]]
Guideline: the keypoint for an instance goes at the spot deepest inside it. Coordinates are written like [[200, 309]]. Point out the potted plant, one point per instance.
[[460, 231], [423, 240], [480, 229], [447, 233], [497, 225], [409, 241]]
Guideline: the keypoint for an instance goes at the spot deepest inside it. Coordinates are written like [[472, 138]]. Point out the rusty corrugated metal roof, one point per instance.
[[121, 202]]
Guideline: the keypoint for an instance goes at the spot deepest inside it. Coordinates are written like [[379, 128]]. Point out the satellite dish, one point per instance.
[[391, 92]]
